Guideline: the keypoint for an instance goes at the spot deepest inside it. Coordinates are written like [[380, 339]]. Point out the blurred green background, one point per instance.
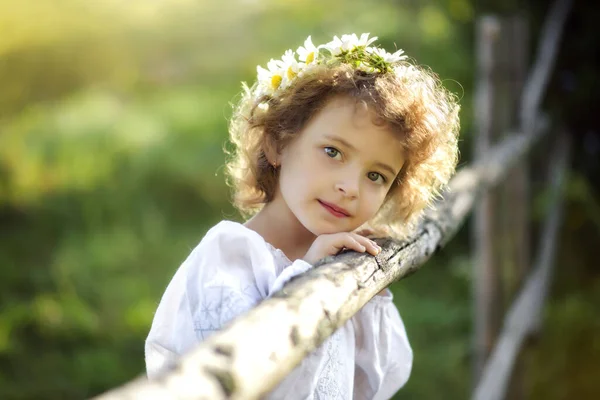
[[113, 116]]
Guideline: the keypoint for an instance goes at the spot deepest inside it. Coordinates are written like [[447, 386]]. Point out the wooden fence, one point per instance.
[[496, 350], [241, 362]]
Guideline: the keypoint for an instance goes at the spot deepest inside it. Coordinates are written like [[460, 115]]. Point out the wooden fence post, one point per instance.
[[501, 222], [516, 191], [493, 384], [523, 316], [487, 289]]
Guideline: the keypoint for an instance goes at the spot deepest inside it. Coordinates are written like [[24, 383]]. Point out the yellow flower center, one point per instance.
[[276, 81], [310, 57], [290, 73]]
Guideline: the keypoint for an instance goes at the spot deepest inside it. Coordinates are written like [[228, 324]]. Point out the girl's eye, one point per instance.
[[376, 177], [332, 152]]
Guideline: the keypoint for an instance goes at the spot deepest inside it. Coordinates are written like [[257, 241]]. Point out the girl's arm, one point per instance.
[[383, 354]]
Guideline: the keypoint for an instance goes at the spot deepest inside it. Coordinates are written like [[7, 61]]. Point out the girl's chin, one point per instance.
[[324, 227]]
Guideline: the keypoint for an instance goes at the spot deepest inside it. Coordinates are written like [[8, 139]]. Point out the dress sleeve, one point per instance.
[[383, 354], [235, 270], [227, 274]]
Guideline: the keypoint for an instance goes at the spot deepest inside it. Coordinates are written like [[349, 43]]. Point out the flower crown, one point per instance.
[[349, 49]]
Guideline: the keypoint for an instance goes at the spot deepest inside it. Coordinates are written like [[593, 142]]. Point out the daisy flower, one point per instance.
[[270, 79], [387, 57], [291, 67], [308, 53]]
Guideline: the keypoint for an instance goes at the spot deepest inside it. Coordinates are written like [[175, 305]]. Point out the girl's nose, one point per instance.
[[349, 187]]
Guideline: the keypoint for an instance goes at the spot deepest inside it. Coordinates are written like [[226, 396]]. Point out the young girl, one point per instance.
[[330, 142]]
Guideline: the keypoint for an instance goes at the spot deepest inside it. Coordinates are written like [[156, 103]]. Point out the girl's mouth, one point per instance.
[[333, 209]]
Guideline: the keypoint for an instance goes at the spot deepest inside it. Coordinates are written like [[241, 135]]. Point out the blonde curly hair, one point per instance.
[[410, 101]]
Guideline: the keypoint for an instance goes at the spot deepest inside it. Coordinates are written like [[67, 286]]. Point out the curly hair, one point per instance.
[[411, 102]]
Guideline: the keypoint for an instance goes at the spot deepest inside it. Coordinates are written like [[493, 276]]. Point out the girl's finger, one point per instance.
[[351, 243], [341, 242], [369, 244]]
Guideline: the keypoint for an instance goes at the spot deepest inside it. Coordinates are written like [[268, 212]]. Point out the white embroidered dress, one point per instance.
[[230, 272]]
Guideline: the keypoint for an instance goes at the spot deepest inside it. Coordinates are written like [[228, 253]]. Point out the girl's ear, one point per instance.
[[271, 150]]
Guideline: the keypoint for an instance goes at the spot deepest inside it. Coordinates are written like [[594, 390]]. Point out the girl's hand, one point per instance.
[[332, 244]]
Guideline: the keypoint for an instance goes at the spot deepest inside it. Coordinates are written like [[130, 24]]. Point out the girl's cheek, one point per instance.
[[377, 197]]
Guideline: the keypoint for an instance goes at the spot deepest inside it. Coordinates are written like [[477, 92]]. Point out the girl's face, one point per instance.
[[336, 174]]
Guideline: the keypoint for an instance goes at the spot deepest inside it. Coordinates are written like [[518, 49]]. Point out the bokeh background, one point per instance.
[[113, 116]]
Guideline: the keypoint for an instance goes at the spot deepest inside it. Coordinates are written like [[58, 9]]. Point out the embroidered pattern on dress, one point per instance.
[[328, 387], [220, 304]]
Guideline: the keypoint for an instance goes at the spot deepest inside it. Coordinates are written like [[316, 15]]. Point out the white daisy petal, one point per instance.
[[398, 56], [365, 41], [335, 46]]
